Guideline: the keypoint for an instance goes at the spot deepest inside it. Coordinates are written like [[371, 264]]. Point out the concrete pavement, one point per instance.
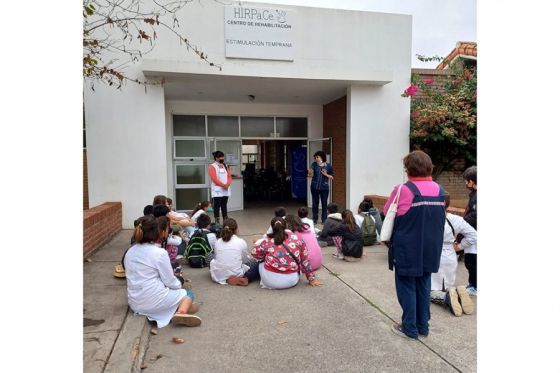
[[342, 326]]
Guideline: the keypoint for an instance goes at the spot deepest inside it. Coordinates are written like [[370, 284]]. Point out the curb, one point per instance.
[[130, 346]]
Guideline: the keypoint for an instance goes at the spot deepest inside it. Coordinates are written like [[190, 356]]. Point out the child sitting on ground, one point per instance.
[[279, 212], [232, 263], [347, 238], [303, 212], [170, 243], [304, 232], [333, 221], [199, 209]]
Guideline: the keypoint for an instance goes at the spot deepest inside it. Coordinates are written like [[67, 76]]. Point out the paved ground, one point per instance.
[[343, 326]]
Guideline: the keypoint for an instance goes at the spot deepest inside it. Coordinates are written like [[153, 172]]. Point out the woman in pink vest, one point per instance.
[[220, 177]]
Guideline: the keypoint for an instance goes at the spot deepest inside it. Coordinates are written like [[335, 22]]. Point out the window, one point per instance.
[[190, 148], [186, 174], [291, 127], [189, 125], [257, 126], [186, 199], [223, 126]]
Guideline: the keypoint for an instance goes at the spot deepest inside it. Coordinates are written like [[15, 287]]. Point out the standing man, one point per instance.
[[322, 173], [220, 176]]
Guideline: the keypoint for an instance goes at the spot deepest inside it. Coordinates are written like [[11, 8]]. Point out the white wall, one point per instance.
[[378, 126], [125, 147], [314, 113]]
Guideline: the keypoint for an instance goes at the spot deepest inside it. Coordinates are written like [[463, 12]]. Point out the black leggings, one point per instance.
[[220, 202], [470, 263]]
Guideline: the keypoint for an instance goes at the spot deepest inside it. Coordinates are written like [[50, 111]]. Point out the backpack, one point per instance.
[[369, 234], [197, 249]]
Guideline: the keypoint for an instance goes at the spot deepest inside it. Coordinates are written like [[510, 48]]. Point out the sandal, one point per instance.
[[186, 319], [119, 271]]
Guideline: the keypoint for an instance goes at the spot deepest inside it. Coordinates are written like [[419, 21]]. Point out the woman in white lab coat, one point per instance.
[[220, 176], [152, 288]]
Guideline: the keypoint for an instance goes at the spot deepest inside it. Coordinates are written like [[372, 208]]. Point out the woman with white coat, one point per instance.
[[443, 282], [220, 176], [152, 288]]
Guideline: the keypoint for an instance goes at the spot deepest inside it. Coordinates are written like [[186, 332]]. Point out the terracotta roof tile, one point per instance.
[[465, 48]]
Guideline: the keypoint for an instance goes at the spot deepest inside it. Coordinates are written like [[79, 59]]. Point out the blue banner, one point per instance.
[[299, 172]]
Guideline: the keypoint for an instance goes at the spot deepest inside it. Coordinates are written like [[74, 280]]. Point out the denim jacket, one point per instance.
[[319, 181]]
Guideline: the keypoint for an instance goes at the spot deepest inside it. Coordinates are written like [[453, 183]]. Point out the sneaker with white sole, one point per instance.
[[339, 256], [465, 300], [453, 301], [397, 329], [471, 290]]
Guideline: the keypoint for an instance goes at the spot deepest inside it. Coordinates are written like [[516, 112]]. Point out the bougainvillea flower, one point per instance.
[[411, 91], [429, 81], [415, 114]]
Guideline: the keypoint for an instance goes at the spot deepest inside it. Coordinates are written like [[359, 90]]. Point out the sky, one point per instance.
[[437, 25]]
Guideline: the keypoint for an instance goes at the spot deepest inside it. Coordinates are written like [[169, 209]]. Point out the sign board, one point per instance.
[[259, 33]]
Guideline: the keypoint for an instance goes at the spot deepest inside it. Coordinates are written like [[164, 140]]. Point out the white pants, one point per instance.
[[446, 274], [273, 280]]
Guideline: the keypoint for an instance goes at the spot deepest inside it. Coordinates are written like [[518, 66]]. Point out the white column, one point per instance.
[[126, 146], [377, 138]]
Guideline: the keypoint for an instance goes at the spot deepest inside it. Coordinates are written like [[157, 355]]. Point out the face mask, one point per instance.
[[210, 209], [220, 160]]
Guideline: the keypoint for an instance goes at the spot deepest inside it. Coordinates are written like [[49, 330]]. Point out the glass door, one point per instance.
[[315, 145]]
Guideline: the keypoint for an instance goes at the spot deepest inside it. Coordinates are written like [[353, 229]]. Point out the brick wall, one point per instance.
[[453, 183], [86, 192], [334, 125], [438, 76], [101, 223], [379, 203]]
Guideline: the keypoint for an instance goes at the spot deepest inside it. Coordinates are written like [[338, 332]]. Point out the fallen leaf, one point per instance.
[[143, 366], [153, 331], [159, 356], [178, 340], [282, 322], [89, 260]]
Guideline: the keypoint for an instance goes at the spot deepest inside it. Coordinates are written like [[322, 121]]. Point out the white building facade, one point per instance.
[[280, 66]]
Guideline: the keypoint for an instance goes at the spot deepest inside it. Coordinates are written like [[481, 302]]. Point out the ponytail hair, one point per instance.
[[228, 230], [348, 220], [201, 205], [295, 224], [146, 230], [278, 227]]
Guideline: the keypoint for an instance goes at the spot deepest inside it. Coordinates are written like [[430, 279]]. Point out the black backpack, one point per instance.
[[197, 249], [369, 234]]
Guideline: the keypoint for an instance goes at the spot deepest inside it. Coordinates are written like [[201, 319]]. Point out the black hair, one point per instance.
[[332, 208], [470, 174], [321, 154], [278, 226], [228, 230], [364, 206], [303, 212], [148, 210], [163, 225], [218, 154], [203, 221], [280, 212], [369, 202], [160, 210]]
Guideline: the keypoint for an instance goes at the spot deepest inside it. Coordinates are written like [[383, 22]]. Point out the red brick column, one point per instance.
[[334, 125], [101, 223], [86, 191]]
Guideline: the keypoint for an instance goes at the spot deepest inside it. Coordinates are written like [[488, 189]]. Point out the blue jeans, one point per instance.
[[315, 195], [413, 294]]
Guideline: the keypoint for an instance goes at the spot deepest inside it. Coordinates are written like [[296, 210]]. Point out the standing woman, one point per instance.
[[416, 243], [221, 181], [322, 172]]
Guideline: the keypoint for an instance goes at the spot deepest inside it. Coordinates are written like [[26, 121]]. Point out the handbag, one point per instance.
[[389, 221]]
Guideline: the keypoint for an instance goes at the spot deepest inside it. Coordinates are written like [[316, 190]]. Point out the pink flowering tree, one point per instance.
[[443, 120]]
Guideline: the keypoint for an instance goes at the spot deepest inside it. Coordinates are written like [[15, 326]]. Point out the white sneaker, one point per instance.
[[338, 256]]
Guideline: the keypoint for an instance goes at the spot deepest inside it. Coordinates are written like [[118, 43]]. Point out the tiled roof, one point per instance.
[[463, 48]]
